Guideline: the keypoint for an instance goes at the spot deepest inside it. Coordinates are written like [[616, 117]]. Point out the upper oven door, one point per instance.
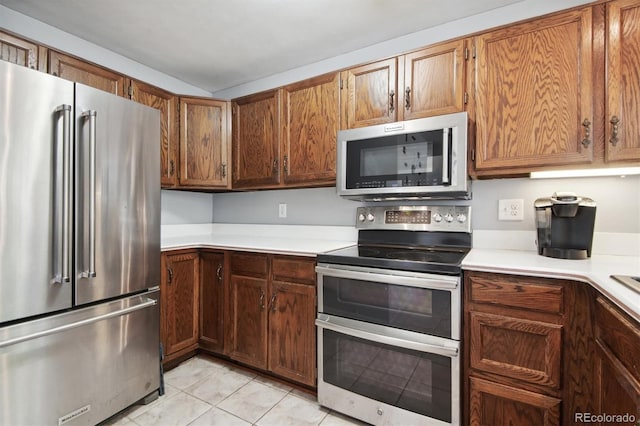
[[418, 302], [417, 158]]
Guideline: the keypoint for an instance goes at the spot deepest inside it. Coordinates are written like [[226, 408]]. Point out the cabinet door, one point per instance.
[[248, 296], [292, 306], [623, 81], [310, 119], [77, 70], [204, 142], [167, 104], [617, 391], [249, 320], [22, 52], [180, 301], [370, 95], [211, 300], [256, 140], [534, 95], [496, 404], [433, 81]]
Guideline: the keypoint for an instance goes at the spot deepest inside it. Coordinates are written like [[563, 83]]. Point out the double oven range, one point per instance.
[[389, 316]]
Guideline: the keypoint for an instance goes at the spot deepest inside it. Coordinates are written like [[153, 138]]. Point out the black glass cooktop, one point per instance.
[[418, 259]]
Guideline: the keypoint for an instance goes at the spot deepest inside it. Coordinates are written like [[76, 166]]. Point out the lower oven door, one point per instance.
[[387, 376]]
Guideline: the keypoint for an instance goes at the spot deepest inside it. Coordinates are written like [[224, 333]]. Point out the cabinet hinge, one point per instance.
[[474, 52], [130, 91], [466, 98], [466, 53], [341, 84], [473, 155]]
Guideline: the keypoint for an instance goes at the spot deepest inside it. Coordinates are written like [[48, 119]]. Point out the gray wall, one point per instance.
[[180, 207], [618, 203]]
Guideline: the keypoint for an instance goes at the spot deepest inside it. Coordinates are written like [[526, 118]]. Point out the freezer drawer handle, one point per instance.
[[91, 115], [66, 194], [55, 330]]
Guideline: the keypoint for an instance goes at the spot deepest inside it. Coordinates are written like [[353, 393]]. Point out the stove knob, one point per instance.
[[361, 217], [437, 218], [370, 217], [448, 217], [462, 218]]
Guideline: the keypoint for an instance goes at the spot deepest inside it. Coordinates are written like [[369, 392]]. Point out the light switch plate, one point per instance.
[[511, 209]]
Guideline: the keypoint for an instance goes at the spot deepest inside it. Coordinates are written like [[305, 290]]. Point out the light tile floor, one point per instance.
[[204, 392]]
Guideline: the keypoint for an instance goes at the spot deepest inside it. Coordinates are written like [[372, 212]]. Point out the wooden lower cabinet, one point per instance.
[[272, 311], [617, 365], [497, 404], [179, 305], [212, 300]]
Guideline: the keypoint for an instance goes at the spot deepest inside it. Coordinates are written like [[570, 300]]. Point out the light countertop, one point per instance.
[[297, 240], [303, 240]]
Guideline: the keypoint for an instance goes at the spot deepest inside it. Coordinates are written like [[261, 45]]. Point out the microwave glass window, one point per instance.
[[415, 159], [390, 160]]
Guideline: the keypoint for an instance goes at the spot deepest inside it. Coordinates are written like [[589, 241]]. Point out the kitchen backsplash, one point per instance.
[[618, 204]]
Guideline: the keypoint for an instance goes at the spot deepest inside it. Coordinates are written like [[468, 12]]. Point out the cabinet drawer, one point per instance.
[[525, 350], [537, 294], [620, 334], [249, 264], [496, 404], [293, 269]]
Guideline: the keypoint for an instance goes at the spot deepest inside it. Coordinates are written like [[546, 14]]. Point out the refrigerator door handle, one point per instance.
[[66, 194], [145, 304], [91, 116]]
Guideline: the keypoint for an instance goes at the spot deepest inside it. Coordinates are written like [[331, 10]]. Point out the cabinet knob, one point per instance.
[[285, 164], [170, 271], [615, 121], [275, 166], [272, 302], [261, 299], [172, 167], [219, 273], [223, 169]]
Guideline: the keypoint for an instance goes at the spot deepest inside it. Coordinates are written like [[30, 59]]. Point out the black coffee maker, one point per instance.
[[565, 225]]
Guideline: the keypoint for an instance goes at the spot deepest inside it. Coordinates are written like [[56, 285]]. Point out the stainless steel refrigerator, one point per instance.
[[79, 251]]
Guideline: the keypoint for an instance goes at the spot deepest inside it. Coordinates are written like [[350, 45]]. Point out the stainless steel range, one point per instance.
[[389, 314]]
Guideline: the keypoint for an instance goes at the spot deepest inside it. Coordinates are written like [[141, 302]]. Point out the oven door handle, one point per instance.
[[444, 283], [381, 334]]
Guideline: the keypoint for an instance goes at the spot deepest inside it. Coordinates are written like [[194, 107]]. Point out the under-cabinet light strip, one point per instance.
[[617, 171]]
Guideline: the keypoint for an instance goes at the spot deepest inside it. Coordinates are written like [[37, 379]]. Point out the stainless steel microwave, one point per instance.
[[423, 158]]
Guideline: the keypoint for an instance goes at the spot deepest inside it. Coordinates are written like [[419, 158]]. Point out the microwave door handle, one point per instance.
[[445, 155]]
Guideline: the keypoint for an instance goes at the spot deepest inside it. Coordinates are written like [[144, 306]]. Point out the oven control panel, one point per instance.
[[418, 218]]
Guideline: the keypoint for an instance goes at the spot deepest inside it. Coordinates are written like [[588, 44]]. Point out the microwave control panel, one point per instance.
[[423, 218]]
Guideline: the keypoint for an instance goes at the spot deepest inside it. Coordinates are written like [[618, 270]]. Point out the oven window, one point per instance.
[[426, 311], [414, 159], [412, 380]]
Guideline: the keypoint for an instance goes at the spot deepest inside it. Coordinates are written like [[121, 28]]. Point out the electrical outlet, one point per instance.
[[511, 209], [282, 210]]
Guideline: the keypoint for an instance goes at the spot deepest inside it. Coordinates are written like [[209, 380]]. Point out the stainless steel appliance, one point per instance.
[[423, 158], [79, 251], [389, 314], [565, 224]]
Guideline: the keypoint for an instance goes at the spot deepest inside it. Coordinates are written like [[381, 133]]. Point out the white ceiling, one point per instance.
[[218, 44]]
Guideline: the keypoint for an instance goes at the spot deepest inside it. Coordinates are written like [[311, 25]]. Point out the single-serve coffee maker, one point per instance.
[[565, 225]]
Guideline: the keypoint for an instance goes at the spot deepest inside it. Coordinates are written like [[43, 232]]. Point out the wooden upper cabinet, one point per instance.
[[256, 140], [22, 52], [167, 104], [77, 70], [370, 94], [310, 120], [622, 134], [534, 97], [433, 81], [204, 140]]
